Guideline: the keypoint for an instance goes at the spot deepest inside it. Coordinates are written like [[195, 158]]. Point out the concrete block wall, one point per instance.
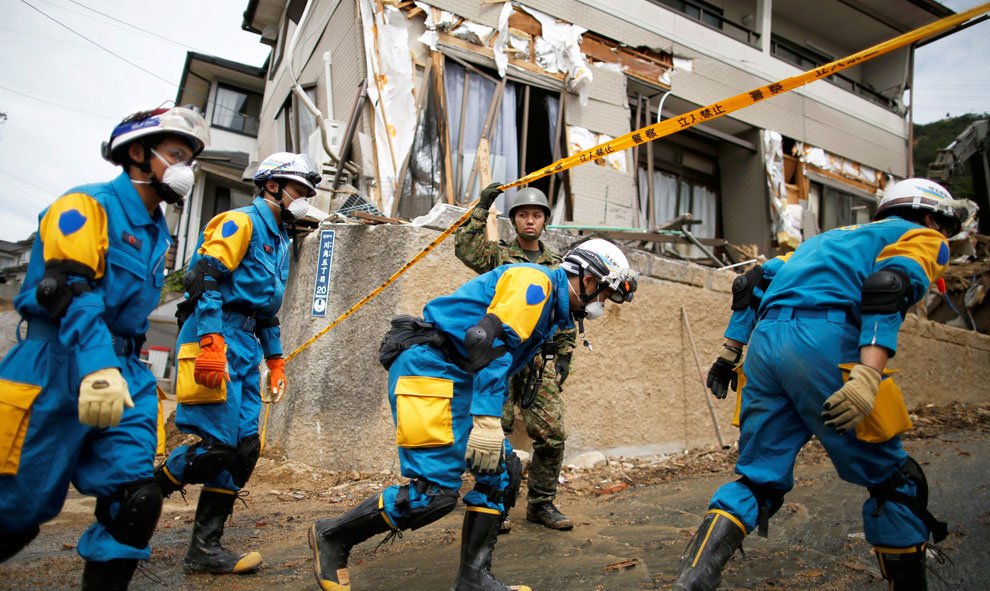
[[639, 391]]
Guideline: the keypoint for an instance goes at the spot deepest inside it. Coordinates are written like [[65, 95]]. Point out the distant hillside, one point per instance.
[[930, 137]]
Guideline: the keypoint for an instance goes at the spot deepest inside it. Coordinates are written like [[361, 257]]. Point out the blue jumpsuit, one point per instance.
[[433, 400], [809, 323], [252, 251], [103, 231]]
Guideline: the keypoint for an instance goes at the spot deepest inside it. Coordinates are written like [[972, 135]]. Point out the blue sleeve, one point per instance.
[[209, 312], [491, 384], [83, 330], [742, 322], [271, 341]]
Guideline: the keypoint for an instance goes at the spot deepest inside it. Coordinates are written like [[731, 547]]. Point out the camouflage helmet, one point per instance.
[[530, 196]]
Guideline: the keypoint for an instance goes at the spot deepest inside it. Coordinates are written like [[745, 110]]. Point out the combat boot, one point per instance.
[[709, 550], [206, 555], [112, 575], [478, 537], [332, 539], [548, 515], [903, 568]]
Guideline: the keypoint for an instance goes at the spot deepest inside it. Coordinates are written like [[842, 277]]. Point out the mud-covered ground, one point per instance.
[[633, 519]]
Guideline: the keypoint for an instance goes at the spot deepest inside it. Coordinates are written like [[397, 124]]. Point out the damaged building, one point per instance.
[[412, 107]]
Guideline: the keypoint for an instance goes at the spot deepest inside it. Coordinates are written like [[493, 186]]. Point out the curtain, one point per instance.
[[227, 108], [664, 195]]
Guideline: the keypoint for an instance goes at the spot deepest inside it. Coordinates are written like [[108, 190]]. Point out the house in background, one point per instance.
[[542, 79], [229, 95], [14, 258]]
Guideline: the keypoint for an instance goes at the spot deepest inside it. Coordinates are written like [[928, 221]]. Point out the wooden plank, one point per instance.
[[446, 39], [370, 217], [440, 87], [484, 162], [668, 238], [525, 22]]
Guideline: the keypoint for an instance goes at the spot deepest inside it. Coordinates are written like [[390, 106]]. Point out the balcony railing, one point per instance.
[[711, 17]]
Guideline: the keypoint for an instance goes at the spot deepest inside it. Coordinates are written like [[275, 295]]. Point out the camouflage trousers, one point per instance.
[[544, 421]]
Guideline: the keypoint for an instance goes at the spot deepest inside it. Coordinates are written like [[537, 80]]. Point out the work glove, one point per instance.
[[274, 390], [722, 374], [211, 363], [488, 195], [485, 445], [854, 400], [102, 397], [563, 366]]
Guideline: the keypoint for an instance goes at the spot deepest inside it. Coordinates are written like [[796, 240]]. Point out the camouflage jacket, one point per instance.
[[482, 255]]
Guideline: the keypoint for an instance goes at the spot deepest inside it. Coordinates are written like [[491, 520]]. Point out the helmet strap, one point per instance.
[[166, 193]]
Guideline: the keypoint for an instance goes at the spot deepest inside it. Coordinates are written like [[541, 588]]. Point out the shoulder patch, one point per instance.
[[534, 294], [228, 229], [70, 222], [943, 254]]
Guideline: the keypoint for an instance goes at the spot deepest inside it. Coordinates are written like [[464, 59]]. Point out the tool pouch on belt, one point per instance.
[[16, 399], [187, 390], [889, 417], [407, 331]]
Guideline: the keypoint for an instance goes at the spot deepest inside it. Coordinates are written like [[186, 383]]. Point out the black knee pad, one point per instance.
[[513, 465], [918, 504], [245, 458], [442, 502], [139, 504], [13, 542], [769, 500], [201, 467]]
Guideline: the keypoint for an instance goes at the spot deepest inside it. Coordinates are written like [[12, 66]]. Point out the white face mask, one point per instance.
[[298, 208], [178, 177], [594, 310]]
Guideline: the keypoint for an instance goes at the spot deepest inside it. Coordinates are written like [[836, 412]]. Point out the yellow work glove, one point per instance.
[[102, 397], [274, 388], [485, 444], [854, 400]]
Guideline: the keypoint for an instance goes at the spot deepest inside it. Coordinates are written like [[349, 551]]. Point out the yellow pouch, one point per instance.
[[423, 412], [739, 389], [187, 391], [889, 417], [15, 412]]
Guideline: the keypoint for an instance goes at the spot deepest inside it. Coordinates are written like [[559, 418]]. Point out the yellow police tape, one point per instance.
[[670, 126], [746, 99]]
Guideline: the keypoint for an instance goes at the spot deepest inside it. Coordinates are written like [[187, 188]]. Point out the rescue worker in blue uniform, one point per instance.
[[76, 404], [821, 323], [448, 379], [234, 288]]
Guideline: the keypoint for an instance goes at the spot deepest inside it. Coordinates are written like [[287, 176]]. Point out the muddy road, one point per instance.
[[639, 512]]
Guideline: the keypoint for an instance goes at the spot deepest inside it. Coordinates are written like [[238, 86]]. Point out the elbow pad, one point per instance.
[[203, 277], [55, 292], [742, 289], [885, 292], [479, 340]]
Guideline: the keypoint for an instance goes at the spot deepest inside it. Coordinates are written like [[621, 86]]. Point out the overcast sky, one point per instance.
[[62, 94]]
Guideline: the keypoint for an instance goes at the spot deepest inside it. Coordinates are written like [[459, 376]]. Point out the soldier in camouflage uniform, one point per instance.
[[544, 418]]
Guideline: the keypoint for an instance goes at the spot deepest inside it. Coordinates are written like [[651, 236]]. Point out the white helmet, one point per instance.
[[289, 166], [606, 263], [186, 122], [923, 195]]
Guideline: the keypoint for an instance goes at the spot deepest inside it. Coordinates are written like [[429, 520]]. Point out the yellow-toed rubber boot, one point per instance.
[[709, 550], [206, 555], [478, 537], [332, 539]]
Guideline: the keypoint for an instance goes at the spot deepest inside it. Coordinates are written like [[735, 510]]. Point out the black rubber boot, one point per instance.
[[12, 543], [332, 539], [548, 515], [478, 537], [709, 550], [903, 568], [206, 555], [112, 575]]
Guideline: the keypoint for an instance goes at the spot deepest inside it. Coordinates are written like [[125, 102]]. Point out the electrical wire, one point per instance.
[[135, 27], [54, 104], [30, 184]]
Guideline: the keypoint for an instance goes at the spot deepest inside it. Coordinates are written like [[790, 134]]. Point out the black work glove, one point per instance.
[[488, 195], [723, 374], [563, 366]]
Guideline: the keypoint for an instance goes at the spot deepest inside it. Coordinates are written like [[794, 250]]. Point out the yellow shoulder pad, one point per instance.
[[226, 238], [520, 295], [75, 229], [924, 246]]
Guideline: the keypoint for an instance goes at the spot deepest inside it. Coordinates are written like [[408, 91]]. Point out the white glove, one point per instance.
[[102, 397], [485, 445], [853, 402]]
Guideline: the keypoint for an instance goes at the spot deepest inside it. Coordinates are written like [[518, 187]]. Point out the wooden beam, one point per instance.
[[446, 39], [525, 22], [440, 87]]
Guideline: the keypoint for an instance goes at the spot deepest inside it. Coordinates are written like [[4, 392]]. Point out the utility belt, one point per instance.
[[40, 328], [784, 313], [534, 379], [240, 317], [407, 331]]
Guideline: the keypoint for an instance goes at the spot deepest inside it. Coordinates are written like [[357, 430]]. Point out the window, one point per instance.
[[236, 110], [295, 123], [838, 208]]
